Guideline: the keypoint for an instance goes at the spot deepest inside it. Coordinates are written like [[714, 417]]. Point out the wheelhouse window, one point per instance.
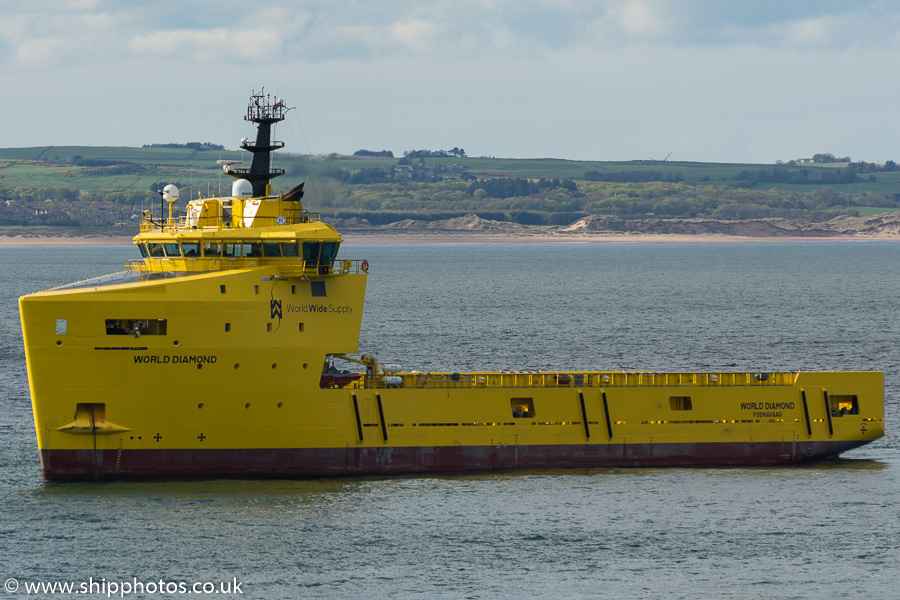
[[212, 249], [320, 256], [173, 249], [329, 252], [136, 327], [143, 250], [311, 254], [191, 249], [251, 249], [522, 408], [271, 250], [155, 250], [290, 250], [231, 249]]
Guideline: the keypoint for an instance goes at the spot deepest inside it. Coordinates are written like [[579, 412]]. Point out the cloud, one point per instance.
[[209, 44], [642, 18], [568, 78], [49, 39]]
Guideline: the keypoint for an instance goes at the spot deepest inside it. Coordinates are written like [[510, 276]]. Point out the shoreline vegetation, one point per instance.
[[471, 228], [82, 195]]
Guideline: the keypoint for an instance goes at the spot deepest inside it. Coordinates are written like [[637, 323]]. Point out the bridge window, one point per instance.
[[191, 249], [680, 403], [231, 249], [251, 249], [173, 249], [319, 256], [271, 250], [212, 249], [290, 250], [329, 252], [155, 250], [311, 254], [522, 408], [136, 327], [843, 405], [143, 249]]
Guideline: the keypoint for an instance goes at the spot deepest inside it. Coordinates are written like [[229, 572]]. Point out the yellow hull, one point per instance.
[[234, 387]]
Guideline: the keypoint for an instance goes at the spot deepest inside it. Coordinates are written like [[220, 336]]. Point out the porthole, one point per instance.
[[199, 406], [247, 405]]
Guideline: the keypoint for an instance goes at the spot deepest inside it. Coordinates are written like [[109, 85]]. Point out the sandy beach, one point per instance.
[[461, 237]]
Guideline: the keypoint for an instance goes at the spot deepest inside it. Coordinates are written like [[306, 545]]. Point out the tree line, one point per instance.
[[188, 146], [832, 176]]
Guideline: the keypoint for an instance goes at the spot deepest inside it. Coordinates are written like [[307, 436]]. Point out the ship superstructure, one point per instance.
[[217, 353]]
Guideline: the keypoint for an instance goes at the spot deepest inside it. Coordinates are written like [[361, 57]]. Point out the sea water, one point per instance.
[[828, 530]]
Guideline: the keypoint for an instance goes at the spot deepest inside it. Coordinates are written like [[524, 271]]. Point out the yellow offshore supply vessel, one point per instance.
[[217, 353]]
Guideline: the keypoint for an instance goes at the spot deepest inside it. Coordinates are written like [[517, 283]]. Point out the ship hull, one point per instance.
[[237, 385], [81, 465]]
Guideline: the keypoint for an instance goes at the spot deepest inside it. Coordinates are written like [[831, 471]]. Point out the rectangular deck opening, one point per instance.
[[136, 327], [680, 403], [86, 413], [522, 408], [843, 405]]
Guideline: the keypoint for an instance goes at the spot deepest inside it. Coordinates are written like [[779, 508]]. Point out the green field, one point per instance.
[[47, 166], [501, 188], [869, 211]]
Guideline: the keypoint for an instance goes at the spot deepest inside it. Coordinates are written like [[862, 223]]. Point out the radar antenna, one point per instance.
[[265, 110]]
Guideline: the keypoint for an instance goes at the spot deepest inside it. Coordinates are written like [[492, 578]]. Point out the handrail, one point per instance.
[[579, 379], [292, 216]]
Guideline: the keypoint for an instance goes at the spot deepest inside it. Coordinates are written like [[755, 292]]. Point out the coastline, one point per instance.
[[353, 237], [37, 240]]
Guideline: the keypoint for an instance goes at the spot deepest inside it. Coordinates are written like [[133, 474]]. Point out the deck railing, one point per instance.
[[576, 379], [180, 223]]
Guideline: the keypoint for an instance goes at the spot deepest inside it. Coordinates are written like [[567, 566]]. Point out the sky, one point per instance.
[[729, 81]]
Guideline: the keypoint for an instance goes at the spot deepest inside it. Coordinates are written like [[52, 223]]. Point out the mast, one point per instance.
[[264, 110]]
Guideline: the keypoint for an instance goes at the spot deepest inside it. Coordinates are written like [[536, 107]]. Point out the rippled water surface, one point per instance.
[[822, 531]]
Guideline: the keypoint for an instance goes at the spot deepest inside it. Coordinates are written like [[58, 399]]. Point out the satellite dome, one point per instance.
[[170, 193], [241, 189]]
